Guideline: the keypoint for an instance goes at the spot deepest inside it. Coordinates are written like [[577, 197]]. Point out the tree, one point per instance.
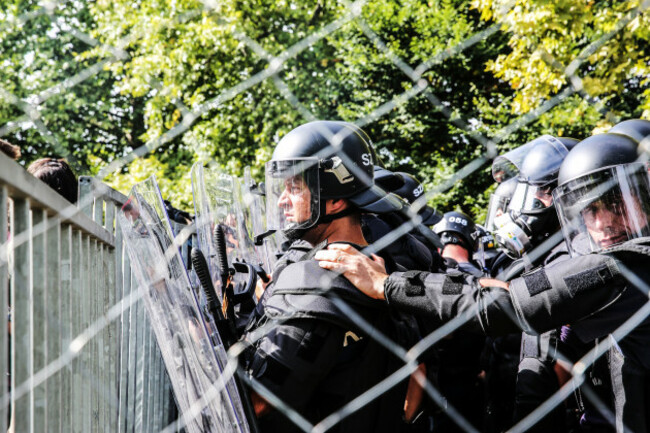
[[198, 54], [224, 81], [54, 101]]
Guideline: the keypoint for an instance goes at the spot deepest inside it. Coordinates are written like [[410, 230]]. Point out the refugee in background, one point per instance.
[[56, 173], [11, 150]]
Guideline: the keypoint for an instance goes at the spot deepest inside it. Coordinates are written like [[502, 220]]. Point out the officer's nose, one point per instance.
[[604, 219], [283, 200]]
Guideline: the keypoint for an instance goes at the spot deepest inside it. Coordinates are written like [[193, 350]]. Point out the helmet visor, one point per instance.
[[604, 208], [497, 207], [292, 194], [530, 198], [507, 166]]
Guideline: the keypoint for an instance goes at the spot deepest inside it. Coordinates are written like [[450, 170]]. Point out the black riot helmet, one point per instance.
[[603, 196], [531, 215], [318, 161], [408, 188], [388, 180], [597, 152], [411, 191], [637, 129], [457, 228], [541, 165]]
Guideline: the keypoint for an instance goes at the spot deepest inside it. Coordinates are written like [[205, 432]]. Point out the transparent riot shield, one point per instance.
[[255, 215], [224, 227], [192, 350]]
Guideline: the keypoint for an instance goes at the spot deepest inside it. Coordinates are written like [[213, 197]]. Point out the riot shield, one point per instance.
[[219, 203], [255, 215], [193, 352]]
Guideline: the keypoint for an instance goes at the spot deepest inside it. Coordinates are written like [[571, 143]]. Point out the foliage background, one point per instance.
[[153, 62]]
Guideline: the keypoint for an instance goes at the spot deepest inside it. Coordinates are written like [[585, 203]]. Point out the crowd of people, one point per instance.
[[555, 272]]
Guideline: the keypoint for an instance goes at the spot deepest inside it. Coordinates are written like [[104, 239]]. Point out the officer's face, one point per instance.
[[295, 200], [606, 222], [544, 195]]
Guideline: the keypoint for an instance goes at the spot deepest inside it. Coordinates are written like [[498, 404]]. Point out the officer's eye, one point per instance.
[[538, 204], [617, 209], [589, 211]]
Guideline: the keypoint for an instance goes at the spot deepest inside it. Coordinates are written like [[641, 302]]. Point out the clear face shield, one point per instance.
[[507, 166], [497, 207], [531, 199], [604, 208], [527, 211], [292, 194]]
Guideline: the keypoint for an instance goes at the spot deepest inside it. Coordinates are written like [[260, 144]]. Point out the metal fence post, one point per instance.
[[133, 353], [67, 299], [124, 275], [39, 314], [54, 322], [78, 396], [22, 360], [4, 301], [139, 364]]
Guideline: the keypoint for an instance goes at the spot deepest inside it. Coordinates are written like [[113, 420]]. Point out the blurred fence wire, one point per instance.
[[93, 366]]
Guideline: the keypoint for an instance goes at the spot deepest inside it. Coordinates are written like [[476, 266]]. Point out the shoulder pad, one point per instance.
[[640, 246], [305, 290], [307, 277], [296, 252], [450, 263], [558, 253]]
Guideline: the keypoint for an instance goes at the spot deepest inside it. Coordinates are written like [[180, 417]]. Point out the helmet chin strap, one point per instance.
[[299, 233], [331, 217]]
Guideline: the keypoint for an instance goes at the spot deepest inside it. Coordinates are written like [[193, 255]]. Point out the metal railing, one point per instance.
[[80, 352]]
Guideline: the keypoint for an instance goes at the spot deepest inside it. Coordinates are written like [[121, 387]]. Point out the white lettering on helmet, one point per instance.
[[366, 158], [458, 220]]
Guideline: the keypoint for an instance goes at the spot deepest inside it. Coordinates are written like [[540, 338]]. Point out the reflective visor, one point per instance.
[[292, 194], [496, 208], [604, 208], [530, 198], [507, 166]]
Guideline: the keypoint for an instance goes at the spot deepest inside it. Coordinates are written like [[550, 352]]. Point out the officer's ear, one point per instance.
[[336, 205]]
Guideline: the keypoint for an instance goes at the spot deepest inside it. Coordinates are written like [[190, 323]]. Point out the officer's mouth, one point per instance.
[[612, 240]]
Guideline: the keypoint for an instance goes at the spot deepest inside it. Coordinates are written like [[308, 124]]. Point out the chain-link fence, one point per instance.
[[135, 78]]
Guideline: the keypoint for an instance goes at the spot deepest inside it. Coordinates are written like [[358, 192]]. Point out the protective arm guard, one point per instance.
[[566, 292], [438, 298]]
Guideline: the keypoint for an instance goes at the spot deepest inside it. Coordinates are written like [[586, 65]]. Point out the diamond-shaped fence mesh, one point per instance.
[[89, 344]]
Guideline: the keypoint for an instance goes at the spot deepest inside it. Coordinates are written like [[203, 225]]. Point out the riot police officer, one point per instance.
[[408, 188], [411, 250], [317, 357], [459, 238], [602, 202], [604, 191], [527, 231], [460, 353]]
